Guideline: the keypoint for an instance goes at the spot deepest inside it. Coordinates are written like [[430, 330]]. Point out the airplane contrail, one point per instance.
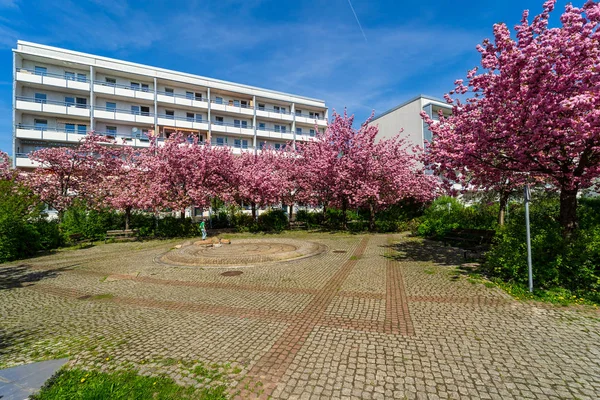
[[357, 21]]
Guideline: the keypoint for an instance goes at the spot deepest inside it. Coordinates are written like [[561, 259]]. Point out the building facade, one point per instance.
[[407, 117], [60, 95]]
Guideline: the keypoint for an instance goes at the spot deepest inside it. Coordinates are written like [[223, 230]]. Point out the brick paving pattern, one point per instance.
[[382, 316]]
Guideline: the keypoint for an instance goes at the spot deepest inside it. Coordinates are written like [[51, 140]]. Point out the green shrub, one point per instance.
[[92, 224], [447, 213], [384, 226], [572, 263], [19, 213], [312, 218], [272, 220]]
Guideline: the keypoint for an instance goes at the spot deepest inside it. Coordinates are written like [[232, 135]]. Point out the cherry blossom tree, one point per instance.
[[258, 181], [345, 167], [534, 110], [66, 173], [6, 171]]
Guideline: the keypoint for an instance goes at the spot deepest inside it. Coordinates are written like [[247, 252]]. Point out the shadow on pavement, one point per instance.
[[426, 251], [17, 276]]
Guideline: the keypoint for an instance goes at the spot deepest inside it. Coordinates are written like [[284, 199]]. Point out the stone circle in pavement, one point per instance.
[[391, 318], [240, 252]]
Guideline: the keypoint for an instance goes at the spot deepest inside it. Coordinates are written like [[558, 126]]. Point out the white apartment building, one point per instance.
[[407, 117], [60, 95]]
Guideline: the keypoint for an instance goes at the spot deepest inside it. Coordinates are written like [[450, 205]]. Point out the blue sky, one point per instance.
[[311, 47]]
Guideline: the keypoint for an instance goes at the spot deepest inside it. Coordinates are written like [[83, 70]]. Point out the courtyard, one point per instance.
[[348, 316]]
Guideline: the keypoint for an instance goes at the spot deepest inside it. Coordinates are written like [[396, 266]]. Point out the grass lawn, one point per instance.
[[80, 384]]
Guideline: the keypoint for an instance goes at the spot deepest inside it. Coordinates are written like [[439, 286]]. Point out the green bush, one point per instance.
[[19, 213], [312, 218], [447, 213], [92, 224], [272, 220], [572, 263]]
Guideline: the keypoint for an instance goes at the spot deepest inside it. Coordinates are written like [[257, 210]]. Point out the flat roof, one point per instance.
[[421, 96], [158, 69]]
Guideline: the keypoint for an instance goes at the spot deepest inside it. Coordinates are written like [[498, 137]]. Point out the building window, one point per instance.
[[298, 112], [170, 114], [198, 96], [218, 120], [237, 143], [70, 76], [236, 123], [244, 124], [110, 106], [262, 145], [244, 144], [110, 81], [145, 87], [69, 101], [262, 126], [40, 98], [261, 107], [145, 135], [82, 77], [236, 103], [169, 92], [135, 110], [189, 116], [81, 102], [283, 128], [111, 130], [298, 131], [277, 146], [189, 95], [220, 141], [218, 100], [40, 70], [311, 114], [135, 86], [276, 109], [40, 124], [244, 104], [70, 128], [82, 129], [145, 110], [283, 111], [277, 128], [312, 132], [198, 117]]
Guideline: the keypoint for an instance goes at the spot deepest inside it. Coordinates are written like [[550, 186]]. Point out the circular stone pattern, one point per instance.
[[241, 252]]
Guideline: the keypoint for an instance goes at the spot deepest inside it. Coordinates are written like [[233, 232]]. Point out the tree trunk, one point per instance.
[[344, 209], [127, 217], [182, 215], [371, 217], [254, 211], [324, 214], [568, 211], [503, 202], [291, 213]]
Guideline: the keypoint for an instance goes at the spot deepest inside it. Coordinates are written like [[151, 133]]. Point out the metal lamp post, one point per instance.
[[527, 199]]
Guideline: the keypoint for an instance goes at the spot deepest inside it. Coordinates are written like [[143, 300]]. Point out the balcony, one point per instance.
[[54, 107], [117, 114], [64, 81], [273, 134], [59, 134], [22, 160], [227, 127], [236, 149], [182, 122], [218, 105], [274, 114], [182, 100], [304, 118], [116, 89]]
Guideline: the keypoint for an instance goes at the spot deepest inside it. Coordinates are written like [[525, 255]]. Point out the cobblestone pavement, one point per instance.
[[371, 317]]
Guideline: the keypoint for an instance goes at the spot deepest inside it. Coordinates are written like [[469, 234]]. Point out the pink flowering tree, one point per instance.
[[184, 173], [258, 180], [534, 109], [6, 172], [69, 173], [345, 167]]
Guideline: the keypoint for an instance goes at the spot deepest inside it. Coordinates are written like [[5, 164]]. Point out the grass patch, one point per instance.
[[354, 258], [104, 296], [83, 385], [429, 271], [557, 296]]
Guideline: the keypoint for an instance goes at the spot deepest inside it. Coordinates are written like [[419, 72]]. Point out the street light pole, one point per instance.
[[527, 197]]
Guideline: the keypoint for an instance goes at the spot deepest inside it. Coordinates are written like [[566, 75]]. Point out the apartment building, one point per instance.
[[407, 117], [60, 95]]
